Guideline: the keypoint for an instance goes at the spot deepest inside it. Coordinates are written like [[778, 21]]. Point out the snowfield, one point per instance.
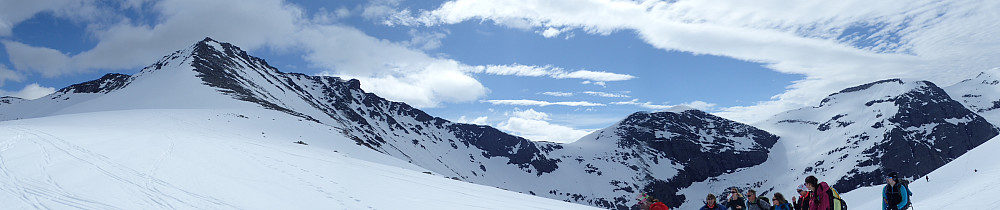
[[218, 159], [956, 185]]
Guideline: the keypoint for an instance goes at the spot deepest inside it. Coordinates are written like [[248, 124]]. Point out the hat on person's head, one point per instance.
[[802, 187], [893, 175]]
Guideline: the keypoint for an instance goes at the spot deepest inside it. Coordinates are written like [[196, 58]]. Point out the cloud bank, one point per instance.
[[835, 44]]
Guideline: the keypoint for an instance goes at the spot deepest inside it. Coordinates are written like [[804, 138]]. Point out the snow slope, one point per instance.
[[956, 185], [855, 136], [217, 159]]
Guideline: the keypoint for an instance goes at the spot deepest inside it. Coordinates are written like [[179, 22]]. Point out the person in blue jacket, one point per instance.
[[780, 203], [895, 196]]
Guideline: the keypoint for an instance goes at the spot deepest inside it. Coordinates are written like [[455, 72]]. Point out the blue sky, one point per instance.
[[547, 70]]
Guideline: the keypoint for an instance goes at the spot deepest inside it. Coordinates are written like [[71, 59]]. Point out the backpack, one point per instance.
[[835, 200], [909, 194], [759, 200]]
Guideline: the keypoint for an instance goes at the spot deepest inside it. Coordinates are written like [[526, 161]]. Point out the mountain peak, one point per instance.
[[208, 39], [209, 46], [679, 109], [880, 90]]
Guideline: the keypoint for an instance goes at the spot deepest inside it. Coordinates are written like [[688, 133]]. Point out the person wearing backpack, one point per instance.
[[756, 203], [895, 195], [802, 201], [821, 196], [780, 203]]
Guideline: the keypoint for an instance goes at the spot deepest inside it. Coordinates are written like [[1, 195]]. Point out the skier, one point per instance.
[[710, 203], [755, 203], [801, 202], [736, 200], [780, 203], [894, 195], [820, 200]]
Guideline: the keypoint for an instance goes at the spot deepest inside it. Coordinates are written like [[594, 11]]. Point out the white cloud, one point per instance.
[[700, 105], [834, 44], [131, 44], [324, 16], [560, 94], [30, 92], [607, 95], [477, 121], [14, 12], [524, 102], [48, 62], [530, 114], [388, 69], [553, 32], [647, 105], [588, 82], [425, 40], [395, 71], [7, 74], [550, 71], [533, 125]]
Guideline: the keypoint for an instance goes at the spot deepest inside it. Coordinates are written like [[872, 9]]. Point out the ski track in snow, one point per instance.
[[139, 182], [31, 191]]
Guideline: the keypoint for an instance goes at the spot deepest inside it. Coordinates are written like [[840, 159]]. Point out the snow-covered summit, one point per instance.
[[679, 109], [980, 94], [859, 133], [662, 152]]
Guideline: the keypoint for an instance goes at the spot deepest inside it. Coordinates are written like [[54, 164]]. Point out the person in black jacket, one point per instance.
[[895, 196], [736, 200], [801, 202]]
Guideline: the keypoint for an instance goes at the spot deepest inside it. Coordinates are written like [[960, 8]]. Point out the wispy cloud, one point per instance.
[[701, 105], [647, 105], [560, 94], [525, 102], [623, 94], [834, 44], [7, 74], [550, 71], [607, 95]]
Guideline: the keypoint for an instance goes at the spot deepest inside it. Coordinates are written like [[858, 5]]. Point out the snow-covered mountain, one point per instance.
[[659, 154], [677, 155], [980, 94], [859, 133], [855, 136]]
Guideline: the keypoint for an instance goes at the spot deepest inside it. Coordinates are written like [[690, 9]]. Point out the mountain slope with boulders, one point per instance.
[[678, 155]]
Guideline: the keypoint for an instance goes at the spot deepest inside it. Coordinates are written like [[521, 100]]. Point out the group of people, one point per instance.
[[813, 195], [737, 201]]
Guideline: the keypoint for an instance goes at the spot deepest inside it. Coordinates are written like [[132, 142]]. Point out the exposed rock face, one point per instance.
[[867, 130]]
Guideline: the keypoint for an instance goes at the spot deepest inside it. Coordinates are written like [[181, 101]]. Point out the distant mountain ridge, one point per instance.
[[849, 139]]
